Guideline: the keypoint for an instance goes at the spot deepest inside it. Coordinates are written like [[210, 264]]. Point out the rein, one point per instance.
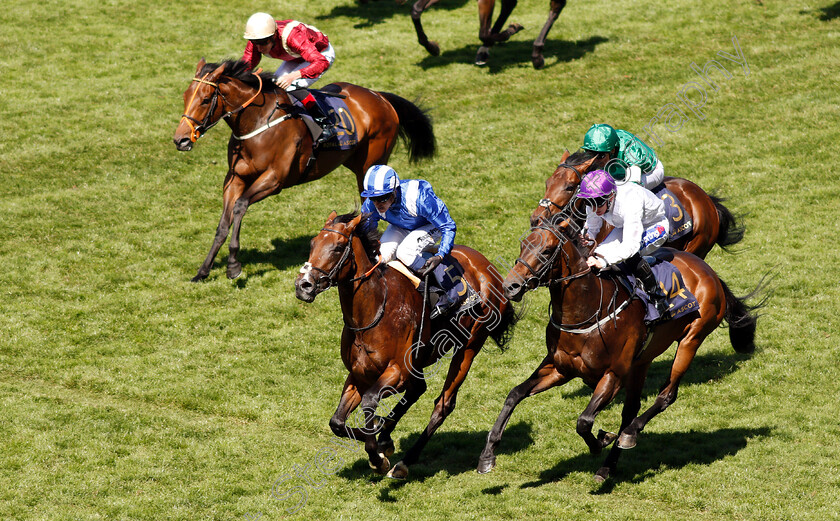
[[330, 277]]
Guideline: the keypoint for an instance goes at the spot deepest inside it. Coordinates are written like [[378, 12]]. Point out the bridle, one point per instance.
[[331, 278], [197, 128], [538, 274]]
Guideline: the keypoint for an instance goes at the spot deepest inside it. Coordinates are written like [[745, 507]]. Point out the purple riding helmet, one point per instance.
[[597, 187]]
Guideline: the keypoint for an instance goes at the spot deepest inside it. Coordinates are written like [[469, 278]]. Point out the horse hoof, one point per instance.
[[486, 465], [383, 467], [433, 48], [400, 471], [606, 438], [482, 56], [538, 62], [513, 29], [198, 278], [626, 441], [602, 474], [234, 271], [386, 448]]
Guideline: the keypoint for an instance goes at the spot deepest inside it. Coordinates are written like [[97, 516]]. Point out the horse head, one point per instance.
[[331, 258], [548, 254], [216, 92]]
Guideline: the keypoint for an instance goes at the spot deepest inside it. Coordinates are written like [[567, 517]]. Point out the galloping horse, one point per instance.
[[385, 342], [712, 222], [596, 332], [270, 147], [490, 35]]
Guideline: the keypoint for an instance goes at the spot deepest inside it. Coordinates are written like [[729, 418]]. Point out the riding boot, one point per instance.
[[323, 121], [645, 275]]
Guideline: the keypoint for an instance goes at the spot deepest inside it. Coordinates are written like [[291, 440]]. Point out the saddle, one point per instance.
[[447, 281], [331, 102], [680, 300]]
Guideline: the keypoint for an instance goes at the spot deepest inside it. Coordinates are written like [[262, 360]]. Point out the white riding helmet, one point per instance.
[[259, 26]]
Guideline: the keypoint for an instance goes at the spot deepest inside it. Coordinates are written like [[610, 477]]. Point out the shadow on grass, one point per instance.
[[704, 369], [375, 12], [287, 253], [655, 453], [453, 452], [830, 12], [516, 53]]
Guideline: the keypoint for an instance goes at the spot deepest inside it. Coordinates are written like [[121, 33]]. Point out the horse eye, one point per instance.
[[205, 101]]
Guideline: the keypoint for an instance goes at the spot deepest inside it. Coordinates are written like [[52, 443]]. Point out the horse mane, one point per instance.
[[239, 70], [580, 157], [369, 236]]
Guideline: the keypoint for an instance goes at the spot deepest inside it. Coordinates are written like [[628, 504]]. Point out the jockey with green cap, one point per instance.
[[629, 158]]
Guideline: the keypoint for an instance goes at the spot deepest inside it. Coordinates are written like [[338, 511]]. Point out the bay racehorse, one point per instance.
[[597, 332], [487, 34], [270, 147], [712, 222], [387, 339]]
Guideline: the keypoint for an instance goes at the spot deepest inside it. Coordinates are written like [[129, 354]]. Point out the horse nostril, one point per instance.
[[305, 284]]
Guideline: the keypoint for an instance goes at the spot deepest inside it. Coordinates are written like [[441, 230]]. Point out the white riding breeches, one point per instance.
[[408, 245]]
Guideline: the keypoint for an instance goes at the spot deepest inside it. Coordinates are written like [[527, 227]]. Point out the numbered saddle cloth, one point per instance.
[[678, 218], [449, 278], [680, 300], [339, 115]]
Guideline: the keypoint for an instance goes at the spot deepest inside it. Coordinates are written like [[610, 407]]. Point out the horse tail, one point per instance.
[[730, 230], [416, 129], [503, 332], [742, 318]]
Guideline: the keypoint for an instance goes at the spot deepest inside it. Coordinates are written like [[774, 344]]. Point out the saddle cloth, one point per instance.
[[678, 218], [339, 115], [680, 300]]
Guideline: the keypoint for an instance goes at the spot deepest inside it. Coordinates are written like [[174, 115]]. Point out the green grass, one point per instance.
[[129, 393]]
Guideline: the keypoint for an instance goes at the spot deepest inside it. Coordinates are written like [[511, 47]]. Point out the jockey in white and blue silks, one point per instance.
[[639, 221], [417, 218]]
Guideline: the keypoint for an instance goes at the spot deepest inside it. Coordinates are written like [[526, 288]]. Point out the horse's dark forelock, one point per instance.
[[239, 70], [369, 236]]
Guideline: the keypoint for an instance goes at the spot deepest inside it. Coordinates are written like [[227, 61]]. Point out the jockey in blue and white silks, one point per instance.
[[417, 218]]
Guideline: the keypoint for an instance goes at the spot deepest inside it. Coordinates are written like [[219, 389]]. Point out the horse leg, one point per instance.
[[444, 404], [414, 390], [416, 12], [632, 404], [605, 391], [258, 191], [350, 399], [485, 16], [384, 386], [686, 350], [504, 13], [537, 58], [233, 188], [545, 377]]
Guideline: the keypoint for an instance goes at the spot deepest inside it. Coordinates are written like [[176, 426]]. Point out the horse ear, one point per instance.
[[332, 217], [352, 224], [565, 156], [201, 65], [219, 70]]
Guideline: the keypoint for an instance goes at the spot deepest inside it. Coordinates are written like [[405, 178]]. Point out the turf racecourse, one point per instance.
[[129, 393]]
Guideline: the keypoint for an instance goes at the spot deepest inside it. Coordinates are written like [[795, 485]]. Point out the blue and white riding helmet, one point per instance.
[[380, 180]]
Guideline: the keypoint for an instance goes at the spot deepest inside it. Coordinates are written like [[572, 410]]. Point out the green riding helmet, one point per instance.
[[600, 138]]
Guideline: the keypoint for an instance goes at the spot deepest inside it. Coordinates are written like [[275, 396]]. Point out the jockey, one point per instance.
[[627, 154], [417, 219], [640, 227], [306, 52]]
